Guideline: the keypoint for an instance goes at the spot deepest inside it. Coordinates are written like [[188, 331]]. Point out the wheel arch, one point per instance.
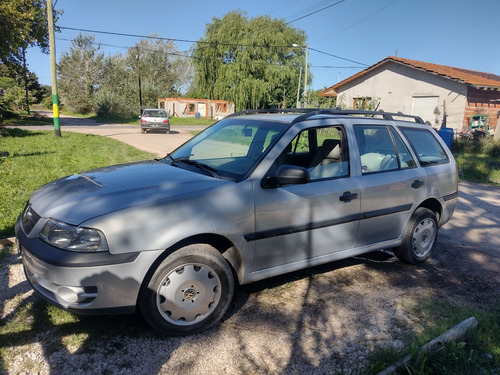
[[225, 246], [434, 205]]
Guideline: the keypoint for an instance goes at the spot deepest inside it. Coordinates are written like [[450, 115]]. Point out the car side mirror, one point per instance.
[[286, 175]]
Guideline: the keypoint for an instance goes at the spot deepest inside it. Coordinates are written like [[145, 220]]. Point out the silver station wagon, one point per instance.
[[253, 196]]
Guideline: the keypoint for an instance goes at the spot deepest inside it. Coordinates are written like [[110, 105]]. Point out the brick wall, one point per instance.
[[482, 102]]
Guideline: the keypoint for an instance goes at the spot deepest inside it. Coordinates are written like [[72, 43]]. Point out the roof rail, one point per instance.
[[310, 112], [271, 110]]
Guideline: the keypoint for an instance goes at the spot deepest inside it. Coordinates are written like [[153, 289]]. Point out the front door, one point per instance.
[[299, 223]]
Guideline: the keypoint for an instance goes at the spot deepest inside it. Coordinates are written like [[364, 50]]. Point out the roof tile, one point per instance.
[[471, 77]]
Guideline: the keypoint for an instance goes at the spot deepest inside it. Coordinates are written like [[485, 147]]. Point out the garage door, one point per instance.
[[424, 106]]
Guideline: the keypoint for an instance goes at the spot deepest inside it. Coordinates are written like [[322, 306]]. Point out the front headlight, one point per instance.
[[73, 238]]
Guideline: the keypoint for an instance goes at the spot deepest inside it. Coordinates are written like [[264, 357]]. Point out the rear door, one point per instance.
[[391, 183]]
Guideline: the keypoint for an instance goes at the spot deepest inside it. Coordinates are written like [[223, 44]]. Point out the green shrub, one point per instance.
[[491, 147]]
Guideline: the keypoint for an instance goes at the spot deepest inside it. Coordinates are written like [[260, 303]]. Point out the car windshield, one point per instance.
[[229, 149], [154, 113]]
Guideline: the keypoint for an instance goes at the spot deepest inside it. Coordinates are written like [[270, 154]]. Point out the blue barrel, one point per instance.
[[446, 135]]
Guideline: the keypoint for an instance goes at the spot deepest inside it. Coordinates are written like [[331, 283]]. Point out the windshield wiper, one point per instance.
[[202, 166], [168, 156]]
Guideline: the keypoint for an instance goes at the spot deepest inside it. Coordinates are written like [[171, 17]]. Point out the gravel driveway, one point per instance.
[[315, 321]]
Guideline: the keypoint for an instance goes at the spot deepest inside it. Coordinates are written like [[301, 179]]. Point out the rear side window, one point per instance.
[[381, 149], [424, 143]]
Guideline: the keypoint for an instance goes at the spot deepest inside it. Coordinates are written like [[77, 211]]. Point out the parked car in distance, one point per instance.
[[155, 120], [253, 196]]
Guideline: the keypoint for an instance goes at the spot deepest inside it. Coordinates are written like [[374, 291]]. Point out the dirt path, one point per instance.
[[314, 321]]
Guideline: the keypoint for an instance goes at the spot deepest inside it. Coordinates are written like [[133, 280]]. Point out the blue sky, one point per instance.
[[459, 33]]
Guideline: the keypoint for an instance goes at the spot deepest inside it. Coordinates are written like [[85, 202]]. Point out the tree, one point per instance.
[[251, 62], [81, 73], [163, 69], [23, 23], [316, 101], [12, 81]]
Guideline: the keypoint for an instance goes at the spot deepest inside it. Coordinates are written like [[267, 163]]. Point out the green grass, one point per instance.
[[478, 353], [25, 119], [478, 160], [36, 158]]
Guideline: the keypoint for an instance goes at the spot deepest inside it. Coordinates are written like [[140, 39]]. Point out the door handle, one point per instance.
[[348, 196], [417, 184]]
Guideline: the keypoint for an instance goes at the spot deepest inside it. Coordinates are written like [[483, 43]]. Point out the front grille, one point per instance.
[[29, 219]]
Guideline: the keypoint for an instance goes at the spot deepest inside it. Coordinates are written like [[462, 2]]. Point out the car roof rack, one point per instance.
[[310, 112]]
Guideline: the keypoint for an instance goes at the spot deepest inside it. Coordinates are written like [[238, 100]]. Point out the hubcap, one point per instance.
[[188, 294], [424, 237]]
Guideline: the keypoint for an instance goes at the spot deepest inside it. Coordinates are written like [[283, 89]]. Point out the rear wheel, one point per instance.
[[189, 291], [419, 237]]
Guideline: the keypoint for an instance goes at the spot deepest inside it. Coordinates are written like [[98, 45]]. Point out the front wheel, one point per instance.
[[189, 291], [419, 237]]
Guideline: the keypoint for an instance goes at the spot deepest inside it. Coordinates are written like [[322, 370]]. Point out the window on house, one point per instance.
[[364, 103]]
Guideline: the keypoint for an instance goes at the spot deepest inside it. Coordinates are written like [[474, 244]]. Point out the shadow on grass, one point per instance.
[[38, 153], [19, 133]]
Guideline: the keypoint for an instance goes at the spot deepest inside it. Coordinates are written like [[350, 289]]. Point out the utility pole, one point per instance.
[[52, 44], [305, 75], [298, 88], [138, 57]]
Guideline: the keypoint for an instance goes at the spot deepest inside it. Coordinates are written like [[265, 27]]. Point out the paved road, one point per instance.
[[157, 143]]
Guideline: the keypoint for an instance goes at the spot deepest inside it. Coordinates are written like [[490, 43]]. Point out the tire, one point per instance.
[[419, 237], [143, 131], [189, 291]]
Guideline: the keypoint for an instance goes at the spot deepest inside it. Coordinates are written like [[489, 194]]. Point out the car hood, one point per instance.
[[83, 196]]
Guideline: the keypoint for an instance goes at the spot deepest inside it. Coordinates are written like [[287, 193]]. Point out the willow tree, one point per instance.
[[254, 62]]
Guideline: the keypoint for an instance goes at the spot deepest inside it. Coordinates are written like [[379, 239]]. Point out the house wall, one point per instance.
[[394, 86], [482, 102], [181, 107]]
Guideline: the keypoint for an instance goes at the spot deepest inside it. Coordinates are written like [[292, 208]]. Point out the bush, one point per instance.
[[475, 146], [108, 104], [491, 147]]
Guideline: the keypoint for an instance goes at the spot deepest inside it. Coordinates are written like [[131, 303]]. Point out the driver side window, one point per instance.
[[323, 151]]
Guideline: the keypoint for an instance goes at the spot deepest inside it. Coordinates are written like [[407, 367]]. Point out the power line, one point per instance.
[[360, 21], [338, 57], [208, 43], [317, 11], [125, 34]]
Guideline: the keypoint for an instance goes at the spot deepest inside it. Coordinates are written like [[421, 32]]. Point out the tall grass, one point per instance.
[[478, 159], [36, 158]]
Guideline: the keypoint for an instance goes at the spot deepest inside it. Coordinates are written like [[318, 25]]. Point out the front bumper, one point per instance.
[[75, 282]]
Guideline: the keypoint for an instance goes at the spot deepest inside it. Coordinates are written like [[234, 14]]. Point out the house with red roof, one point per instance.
[[458, 97]]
